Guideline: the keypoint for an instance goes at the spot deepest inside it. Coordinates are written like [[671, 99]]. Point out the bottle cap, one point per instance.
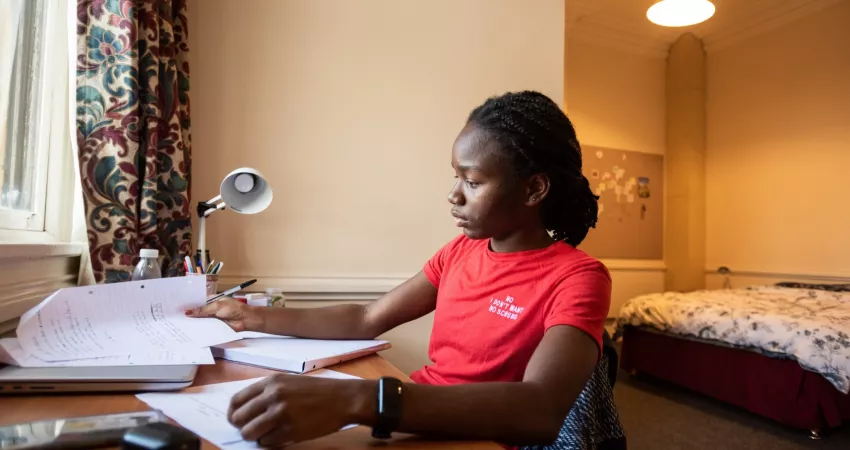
[[149, 253]]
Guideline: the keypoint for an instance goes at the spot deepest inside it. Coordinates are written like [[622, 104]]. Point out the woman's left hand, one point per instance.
[[284, 409]]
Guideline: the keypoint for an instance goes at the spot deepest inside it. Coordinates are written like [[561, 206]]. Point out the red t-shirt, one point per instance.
[[493, 308]]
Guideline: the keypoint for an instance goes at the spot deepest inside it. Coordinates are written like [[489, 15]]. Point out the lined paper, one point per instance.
[[136, 317]]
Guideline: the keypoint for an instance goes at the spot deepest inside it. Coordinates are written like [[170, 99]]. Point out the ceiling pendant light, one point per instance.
[[680, 13]]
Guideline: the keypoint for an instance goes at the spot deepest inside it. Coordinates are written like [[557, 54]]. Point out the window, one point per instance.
[[36, 175], [23, 155]]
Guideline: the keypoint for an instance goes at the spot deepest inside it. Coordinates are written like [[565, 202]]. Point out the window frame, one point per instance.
[[33, 220], [51, 219]]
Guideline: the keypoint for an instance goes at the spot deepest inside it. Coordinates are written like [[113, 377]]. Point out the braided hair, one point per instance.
[[539, 138]]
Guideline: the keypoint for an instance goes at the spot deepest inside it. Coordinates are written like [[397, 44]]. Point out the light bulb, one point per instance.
[[680, 13], [244, 182]]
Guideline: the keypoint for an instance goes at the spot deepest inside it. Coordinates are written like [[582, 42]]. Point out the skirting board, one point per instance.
[[342, 288]]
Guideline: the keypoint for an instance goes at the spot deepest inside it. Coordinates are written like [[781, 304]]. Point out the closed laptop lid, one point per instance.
[[113, 374]]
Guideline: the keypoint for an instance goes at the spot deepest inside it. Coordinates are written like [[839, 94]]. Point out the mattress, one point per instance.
[[804, 323]]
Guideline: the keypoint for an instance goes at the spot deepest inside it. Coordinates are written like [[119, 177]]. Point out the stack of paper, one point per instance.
[[131, 323], [203, 409], [143, 323], [12, 353]]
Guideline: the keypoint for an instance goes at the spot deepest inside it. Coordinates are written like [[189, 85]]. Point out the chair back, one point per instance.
[[610, 351], [593, 422]]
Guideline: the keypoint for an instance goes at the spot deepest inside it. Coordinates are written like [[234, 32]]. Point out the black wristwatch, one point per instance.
[[389, 407]]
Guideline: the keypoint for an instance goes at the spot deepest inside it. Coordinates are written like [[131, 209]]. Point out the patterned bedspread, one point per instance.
[[809, 325]]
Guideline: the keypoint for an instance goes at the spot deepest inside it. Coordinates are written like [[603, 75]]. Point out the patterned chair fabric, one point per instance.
[[593, 422]]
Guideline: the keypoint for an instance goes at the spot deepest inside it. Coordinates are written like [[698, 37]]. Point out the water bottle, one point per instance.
[[148, 267]]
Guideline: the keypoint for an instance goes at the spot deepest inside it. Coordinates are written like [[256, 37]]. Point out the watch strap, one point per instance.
[[389, 404]]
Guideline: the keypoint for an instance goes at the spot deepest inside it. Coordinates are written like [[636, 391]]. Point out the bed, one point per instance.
[[780, 351]]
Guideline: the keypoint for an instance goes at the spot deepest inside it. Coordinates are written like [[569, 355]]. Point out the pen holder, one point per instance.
[[212, 283]]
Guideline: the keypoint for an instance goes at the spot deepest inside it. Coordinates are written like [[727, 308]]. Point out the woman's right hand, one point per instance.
[[236, 315]]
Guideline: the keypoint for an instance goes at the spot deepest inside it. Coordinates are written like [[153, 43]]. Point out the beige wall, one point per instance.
[[778, 150], [350, 109], [409, 342], [615, 99], [611, 110]]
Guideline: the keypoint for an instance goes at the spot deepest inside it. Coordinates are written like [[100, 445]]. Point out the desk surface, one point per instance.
[[17, 409]]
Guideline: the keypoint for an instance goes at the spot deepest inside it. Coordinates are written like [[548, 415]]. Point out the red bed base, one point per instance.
[[778, 389]]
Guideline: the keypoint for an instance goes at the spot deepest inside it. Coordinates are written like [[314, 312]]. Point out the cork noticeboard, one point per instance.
[[630, 189]]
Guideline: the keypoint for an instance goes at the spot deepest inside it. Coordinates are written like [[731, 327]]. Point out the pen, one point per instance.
[[189, 268], [231, 290]]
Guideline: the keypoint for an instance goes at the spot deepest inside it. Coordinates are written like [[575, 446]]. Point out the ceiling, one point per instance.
[[623, 23]]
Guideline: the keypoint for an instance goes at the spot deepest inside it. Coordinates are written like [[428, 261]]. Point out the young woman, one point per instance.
[[519, 311]]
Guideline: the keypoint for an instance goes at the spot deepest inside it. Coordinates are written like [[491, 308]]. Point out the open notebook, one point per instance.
[[293, 354]]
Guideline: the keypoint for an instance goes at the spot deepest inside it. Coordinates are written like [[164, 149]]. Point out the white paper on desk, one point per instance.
[[13, 354], [203, 409], [133, 317]]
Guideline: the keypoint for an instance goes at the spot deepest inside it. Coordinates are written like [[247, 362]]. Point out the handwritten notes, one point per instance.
[[131, 318]]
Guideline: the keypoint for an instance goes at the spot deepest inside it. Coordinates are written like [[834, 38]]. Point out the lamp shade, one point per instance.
[[680, 13], [246, 191]]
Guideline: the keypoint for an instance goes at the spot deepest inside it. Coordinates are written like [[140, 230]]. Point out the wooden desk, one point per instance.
[[16, 409]]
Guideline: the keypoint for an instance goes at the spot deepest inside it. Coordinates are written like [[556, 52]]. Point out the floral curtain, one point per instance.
[[132, 96]]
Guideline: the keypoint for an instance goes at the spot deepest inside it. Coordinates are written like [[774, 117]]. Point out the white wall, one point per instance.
[[409, 342], [778, 152], [350, 108], [611, 110]]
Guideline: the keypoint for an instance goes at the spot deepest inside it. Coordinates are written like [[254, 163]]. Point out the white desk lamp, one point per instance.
[[244, 191]]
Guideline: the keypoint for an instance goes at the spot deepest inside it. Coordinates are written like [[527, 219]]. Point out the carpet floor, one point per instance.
[[660, 416]]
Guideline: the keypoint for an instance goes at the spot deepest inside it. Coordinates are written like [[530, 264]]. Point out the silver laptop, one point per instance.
[[32, 380]]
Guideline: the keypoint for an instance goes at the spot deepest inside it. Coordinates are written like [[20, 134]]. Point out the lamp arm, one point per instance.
[[202, 239], [205, 209]]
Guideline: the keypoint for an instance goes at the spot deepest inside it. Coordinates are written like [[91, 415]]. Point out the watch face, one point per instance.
[[389, 407]]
